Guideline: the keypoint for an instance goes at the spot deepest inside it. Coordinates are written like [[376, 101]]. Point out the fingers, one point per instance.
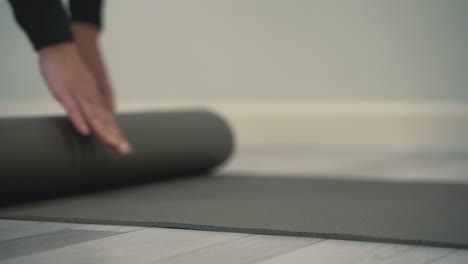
[[103, 125], [75, 115], [105, 90], [87, 112], [108, 101]]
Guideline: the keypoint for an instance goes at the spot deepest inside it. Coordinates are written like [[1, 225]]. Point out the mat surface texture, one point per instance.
[[427, 214]]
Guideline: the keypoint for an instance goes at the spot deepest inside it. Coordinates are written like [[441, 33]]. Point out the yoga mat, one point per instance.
[[413, 213], [42, 156]]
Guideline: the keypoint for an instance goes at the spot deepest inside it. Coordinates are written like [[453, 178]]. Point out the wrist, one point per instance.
[[58, 51], [83, 31]]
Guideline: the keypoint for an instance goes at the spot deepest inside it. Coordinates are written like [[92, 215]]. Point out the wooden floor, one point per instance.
[[44, 242]]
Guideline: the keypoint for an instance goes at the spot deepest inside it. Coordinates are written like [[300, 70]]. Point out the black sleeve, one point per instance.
[[45, 22], [86, 11]]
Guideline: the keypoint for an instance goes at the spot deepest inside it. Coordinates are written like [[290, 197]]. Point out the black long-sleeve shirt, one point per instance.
[[46, 22]]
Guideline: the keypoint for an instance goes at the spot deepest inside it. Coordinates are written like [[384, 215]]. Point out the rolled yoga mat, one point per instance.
[[43, 157], [414, 213]]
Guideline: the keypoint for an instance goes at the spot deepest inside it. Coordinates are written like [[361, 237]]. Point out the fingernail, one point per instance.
[[125, 148]]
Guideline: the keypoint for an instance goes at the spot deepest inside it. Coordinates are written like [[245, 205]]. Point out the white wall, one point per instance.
[[234, 50]]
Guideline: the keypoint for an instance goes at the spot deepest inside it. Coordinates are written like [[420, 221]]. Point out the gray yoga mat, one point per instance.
[[427, 214], [413, 213], [43, 157]]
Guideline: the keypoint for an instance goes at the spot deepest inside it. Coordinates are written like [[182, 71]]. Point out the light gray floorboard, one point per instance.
[[142, 246], [457, 257], [116, 228], [247, 249], [28, 228], [338, 251], [48, 241]]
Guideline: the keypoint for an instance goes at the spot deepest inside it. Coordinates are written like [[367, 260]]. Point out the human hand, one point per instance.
[[75, 88], [86, 37]]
